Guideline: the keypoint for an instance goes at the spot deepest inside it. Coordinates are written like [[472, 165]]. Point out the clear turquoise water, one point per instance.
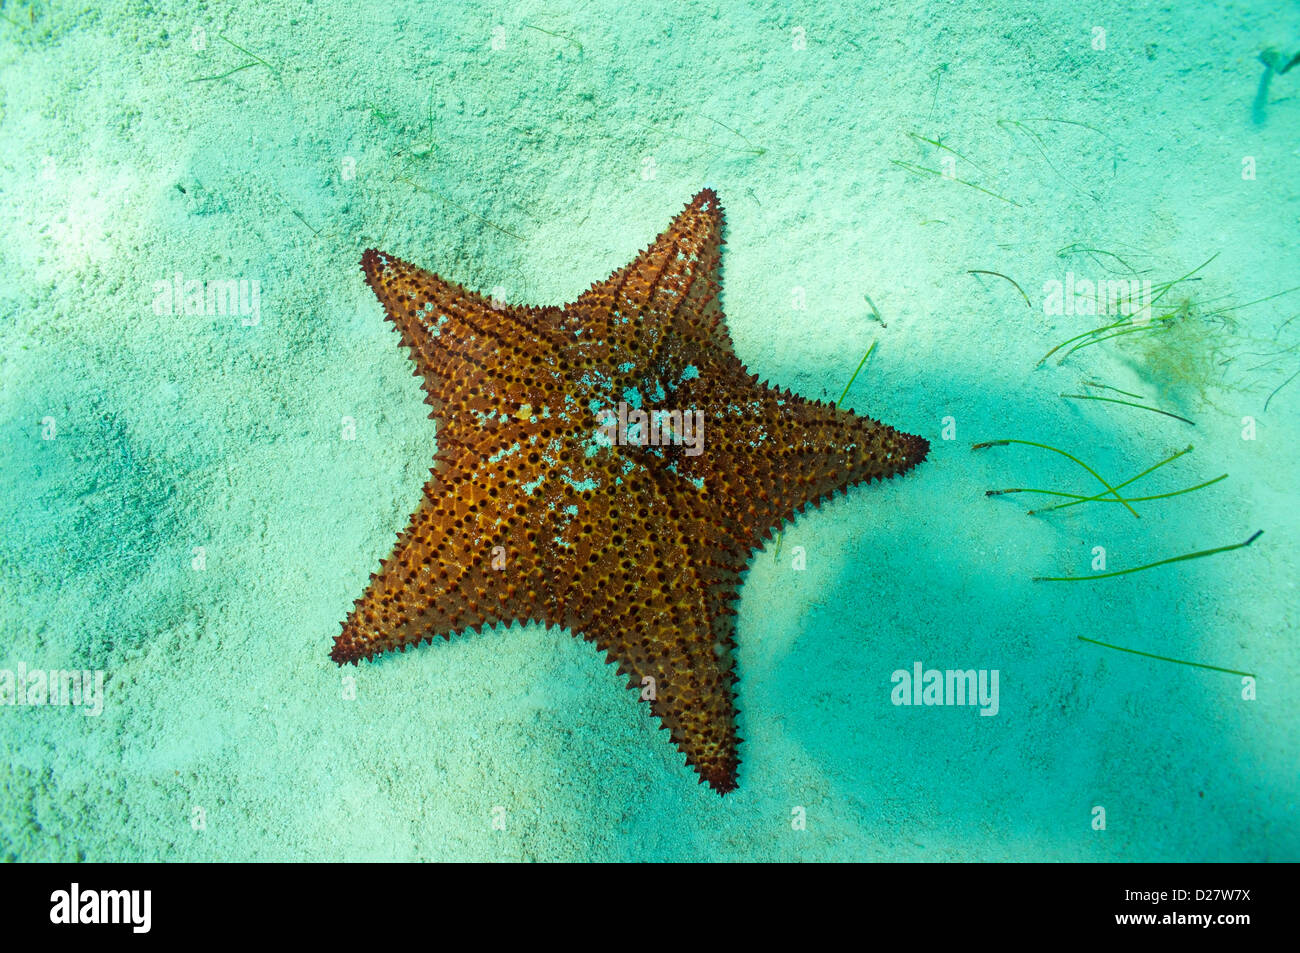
[[181, 512]]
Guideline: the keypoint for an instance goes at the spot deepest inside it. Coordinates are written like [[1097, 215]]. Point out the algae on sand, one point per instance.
[[1186, 353], [1193, 350]]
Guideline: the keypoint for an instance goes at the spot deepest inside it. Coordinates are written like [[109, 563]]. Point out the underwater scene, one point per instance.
[[697, 431]]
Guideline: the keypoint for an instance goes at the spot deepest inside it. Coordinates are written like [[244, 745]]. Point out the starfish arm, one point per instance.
[[771, 453], [457, 337], [466, 561], [689, 682], [676, 275], [650, 598], [419, 593]]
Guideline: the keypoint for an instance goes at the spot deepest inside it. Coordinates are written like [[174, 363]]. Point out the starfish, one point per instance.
[[565, 491]]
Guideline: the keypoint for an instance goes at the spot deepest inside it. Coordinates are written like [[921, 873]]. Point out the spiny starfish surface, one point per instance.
[[537, 509]]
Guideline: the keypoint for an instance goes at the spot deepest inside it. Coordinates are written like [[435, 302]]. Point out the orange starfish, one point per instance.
[[608, 467]]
